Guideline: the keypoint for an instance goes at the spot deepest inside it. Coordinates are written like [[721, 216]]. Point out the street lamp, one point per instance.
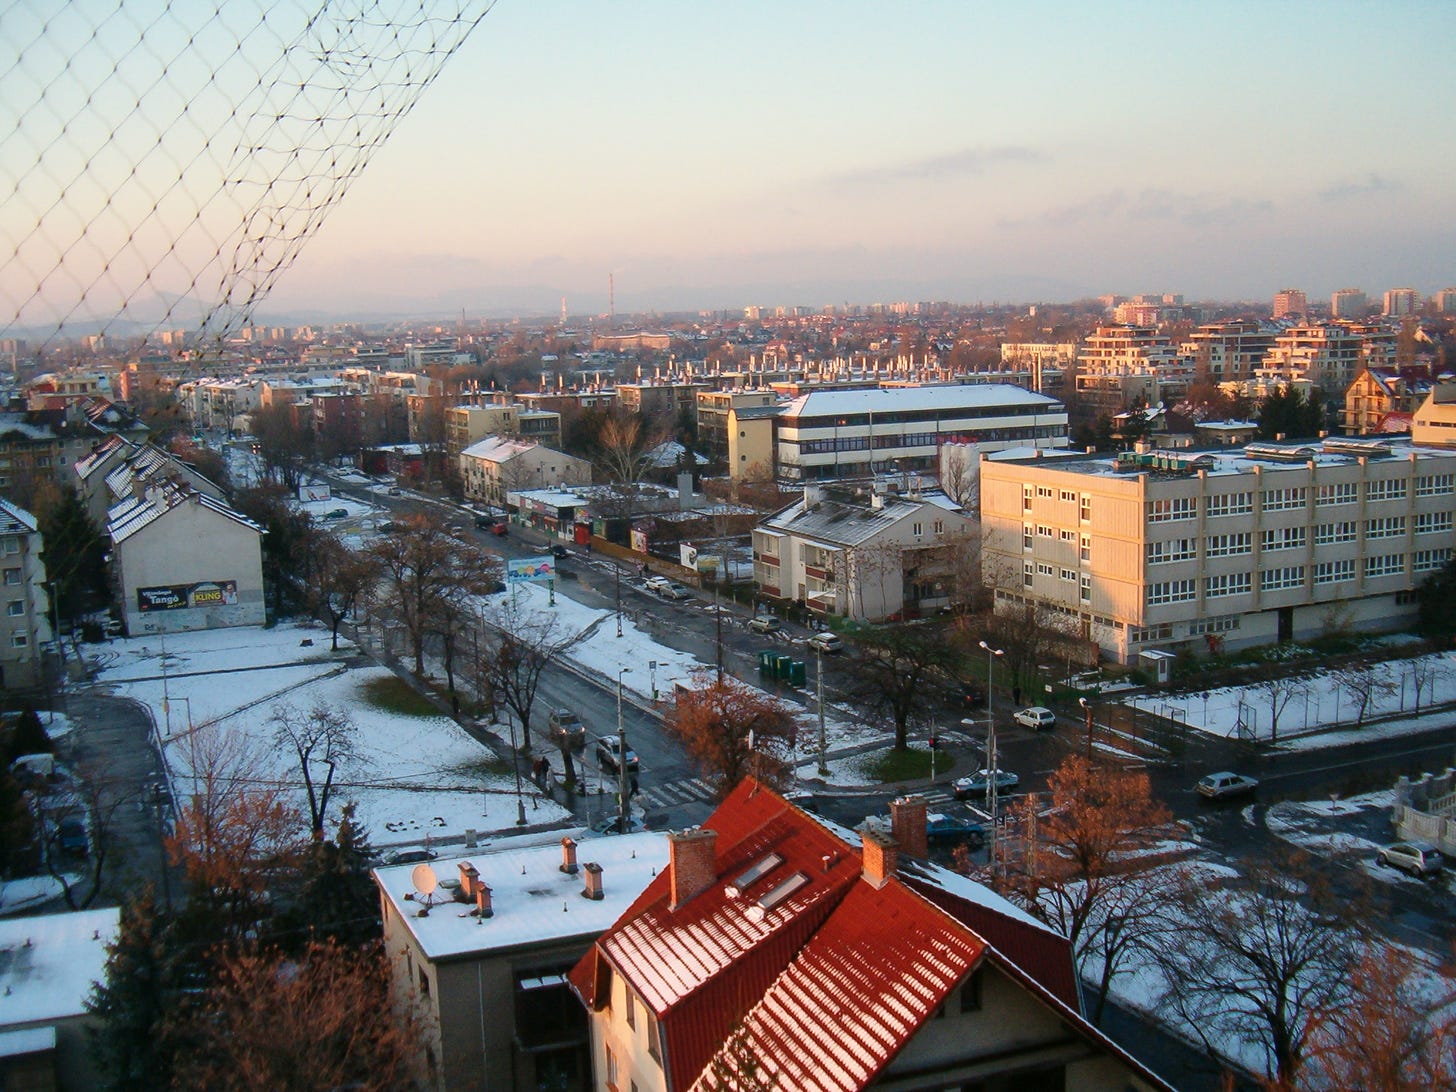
[[617, 569], [1087, 709], [622, 800], [991, 787], [819, 679]]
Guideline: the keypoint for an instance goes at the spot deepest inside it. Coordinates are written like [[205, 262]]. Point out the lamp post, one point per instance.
[[819, 679], [622, 801], [991, 770], [1087, 710], [617, 569]]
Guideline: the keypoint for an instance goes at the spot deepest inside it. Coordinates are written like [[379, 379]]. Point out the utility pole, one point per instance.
[[991, 771], [1087, 709], [622, 800], [819, 679]]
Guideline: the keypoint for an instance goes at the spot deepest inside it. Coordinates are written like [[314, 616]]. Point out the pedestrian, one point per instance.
[[1016, 695]]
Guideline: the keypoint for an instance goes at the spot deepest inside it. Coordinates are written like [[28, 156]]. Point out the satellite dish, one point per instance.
[[425, 881]]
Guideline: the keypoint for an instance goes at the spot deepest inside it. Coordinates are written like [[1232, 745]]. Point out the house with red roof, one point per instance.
[[831, 961]]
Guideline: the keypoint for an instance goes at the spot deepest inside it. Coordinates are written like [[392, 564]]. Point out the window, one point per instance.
[[1172, 591], [1228, 584], [1386, 489], [20, 640], [1384, 565], [12, 542], [1173, 549], [1385, 527], [1068, 536], [1241, 542], [1280, 500], [1429, 523], [15, 608], [611, 1068], [1282, 538], [654, 1036], [631, 1007], [1223, 624], [1086, 512], [1434, 485], [1028, 575], [1290, 576], [1336, 493], [1043, 531], [1230, 504], [1027, 530], [1043, 569], [971, 994], [1068, 574], [1068, 495], [1171, 508], [938, 527], [1026, 498], [1335, 572], [1086, 547], [1086, 589], [1044, 491], [12, 577], [424, 983], [1327, 533], [917, 529], [1426, 561]]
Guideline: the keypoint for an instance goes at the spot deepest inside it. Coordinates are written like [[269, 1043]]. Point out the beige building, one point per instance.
[[1290, 303], [183, 561], [1328, 356], [1349, 303], [735, 431], [117, 468], [1157, 550], [1118, 365], [1435, 420], [25, 627], [467, 425], [496, 466], [490, 991]]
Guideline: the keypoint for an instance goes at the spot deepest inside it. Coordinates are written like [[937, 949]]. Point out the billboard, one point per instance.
[[315, 491], [688, 555], [207, 593], [519, 570]]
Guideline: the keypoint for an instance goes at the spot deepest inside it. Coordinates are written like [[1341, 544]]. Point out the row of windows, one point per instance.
[[1292, 497], [1294, 538]]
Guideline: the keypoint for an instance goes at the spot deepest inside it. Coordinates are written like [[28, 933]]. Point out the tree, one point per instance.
[[518, 642], [893, 668], [732, 730], [322, 739], [1393, 1034], [1260, 958], [1288, 413], [336, 896], [1278, 689], [1085, 872], [342, 579], [75, 551], [286, 538], [322, 1020], [1366, 684], [284, 444], [1436, 603], [94, 800]]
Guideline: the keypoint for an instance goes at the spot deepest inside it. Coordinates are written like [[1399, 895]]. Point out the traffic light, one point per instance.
[[935, 743]]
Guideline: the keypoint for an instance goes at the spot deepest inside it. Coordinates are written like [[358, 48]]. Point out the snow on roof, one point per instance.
[[498, 449], [49, 963], [27, 1041], [947, 397], [534, 902], [15, 520], [129, 516]]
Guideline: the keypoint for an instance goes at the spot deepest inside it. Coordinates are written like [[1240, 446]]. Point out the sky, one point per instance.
[[812, 153]]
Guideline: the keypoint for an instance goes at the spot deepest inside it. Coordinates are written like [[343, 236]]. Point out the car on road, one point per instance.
[[410, 856], [558, 550], [826, 642], [564, 726], [656, 583], [1037, 717], [336, 513], [1225, 785], [952, 830], [612, 824], [973, 785], [500, 527], [484, 523], [609, 748], [764, 623], [674, 591], [1418, 858], [390, 527], [71, 833], [395, 491]]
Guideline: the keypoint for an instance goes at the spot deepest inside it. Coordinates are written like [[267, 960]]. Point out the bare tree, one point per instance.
[[1260, 958], [893, 668], [1366, 684], [1423, 675], [322, 739], [518, 642], [95, 798], [341, 578], [1277, 689], [284, 445], [960, 477]]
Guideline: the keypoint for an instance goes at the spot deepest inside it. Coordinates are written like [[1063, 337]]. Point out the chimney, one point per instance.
[[907, 825], [692, 863], [568, 856], [469, 879], [881, 857], [482, 902], [593, 889]]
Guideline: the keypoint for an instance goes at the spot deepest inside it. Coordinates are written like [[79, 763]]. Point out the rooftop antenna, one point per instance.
[[425, 881]]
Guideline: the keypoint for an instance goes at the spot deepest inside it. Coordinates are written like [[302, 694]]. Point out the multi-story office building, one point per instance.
[[1400, 302], [25, 626], [1222, 352], [828, 435], [1290, 303], [1157, 550], [1349, 303]]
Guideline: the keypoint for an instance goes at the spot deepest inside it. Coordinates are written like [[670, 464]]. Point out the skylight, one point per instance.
[[757, 871]]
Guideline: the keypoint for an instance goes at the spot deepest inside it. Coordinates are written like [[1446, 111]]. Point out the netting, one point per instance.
[[165, 162]]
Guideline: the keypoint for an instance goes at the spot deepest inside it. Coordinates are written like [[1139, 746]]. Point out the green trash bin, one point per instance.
[[767, 661], [797, 674], [781, 667]]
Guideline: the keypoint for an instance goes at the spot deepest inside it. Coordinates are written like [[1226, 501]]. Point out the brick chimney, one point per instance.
[[593, 889], [469, 879], [482, 901], [907, 825], [692, 863], [568, 856], [881, 857]]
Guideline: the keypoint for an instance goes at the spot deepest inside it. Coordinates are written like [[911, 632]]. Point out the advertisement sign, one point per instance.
[[639, 541], [519, 570], [314, 491], [688, 556], [208, 593]]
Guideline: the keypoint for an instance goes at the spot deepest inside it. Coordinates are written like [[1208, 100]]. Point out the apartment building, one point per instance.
[[499, 465], [1349, 303], [1328, 355], [25, 626], [1118, 365], [842, 434], [733, 434], [1228, 351], [664, 400], [1445, 301], [1399, 302], [1046, 362], [1161, 550], [1386, 399], [1290, 303]]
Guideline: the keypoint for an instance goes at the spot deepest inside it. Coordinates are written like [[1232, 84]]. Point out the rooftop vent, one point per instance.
[[1298, 453], [1373, 449]]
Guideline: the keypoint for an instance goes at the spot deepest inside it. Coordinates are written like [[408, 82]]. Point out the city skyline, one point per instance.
[[1050, 152]]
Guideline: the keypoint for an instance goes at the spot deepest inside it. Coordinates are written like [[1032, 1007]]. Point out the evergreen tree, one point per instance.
[[337, 899], [75, 551], [1287, 413], [1437, 603], [27, 737]]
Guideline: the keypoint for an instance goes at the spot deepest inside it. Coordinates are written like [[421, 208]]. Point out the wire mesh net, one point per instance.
[[165, 163]]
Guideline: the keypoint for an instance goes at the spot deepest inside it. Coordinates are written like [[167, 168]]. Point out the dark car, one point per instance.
[[564, 726], [558, 550], [943, 830], [410, 856], [71, 833]]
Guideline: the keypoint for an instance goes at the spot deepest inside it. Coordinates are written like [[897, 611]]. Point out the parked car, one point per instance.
[[674, 591], [1226, 784], [608, 750], [71, 833], [826, 642], [656, 583], [974, 785], [336, 513], [395, 491], [612, 824], [558, 550], [500, 527], [943, 830], [1037, 717], [1418, 858], [565, 726], [410, 856], [484, 523], [764, 623], [964, 695], [390, 527]]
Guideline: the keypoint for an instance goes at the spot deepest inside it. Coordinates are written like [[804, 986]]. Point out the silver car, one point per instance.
[[1417, 858]]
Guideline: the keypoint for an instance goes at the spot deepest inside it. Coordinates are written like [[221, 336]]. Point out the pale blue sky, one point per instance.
[[812, 152]]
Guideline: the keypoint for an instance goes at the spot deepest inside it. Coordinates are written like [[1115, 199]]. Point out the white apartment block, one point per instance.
[[1162, 550], [1117, 365], [841, 434], [25, 626], [1399, 302], [1445, 301], [1328, 356], [1231, 351]]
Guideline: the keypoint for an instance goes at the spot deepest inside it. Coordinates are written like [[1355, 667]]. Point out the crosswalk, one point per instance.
[[675, 792]]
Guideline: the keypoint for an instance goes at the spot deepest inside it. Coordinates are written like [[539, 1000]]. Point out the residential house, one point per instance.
[[25, 626], [481, 960], [497, 465], [113, 469], [868, 555], [838, 962], [1377, 393]]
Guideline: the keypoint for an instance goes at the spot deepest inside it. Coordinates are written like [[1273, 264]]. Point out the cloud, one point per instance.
[[966, 162], [1188, 209], [1373, 184]]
